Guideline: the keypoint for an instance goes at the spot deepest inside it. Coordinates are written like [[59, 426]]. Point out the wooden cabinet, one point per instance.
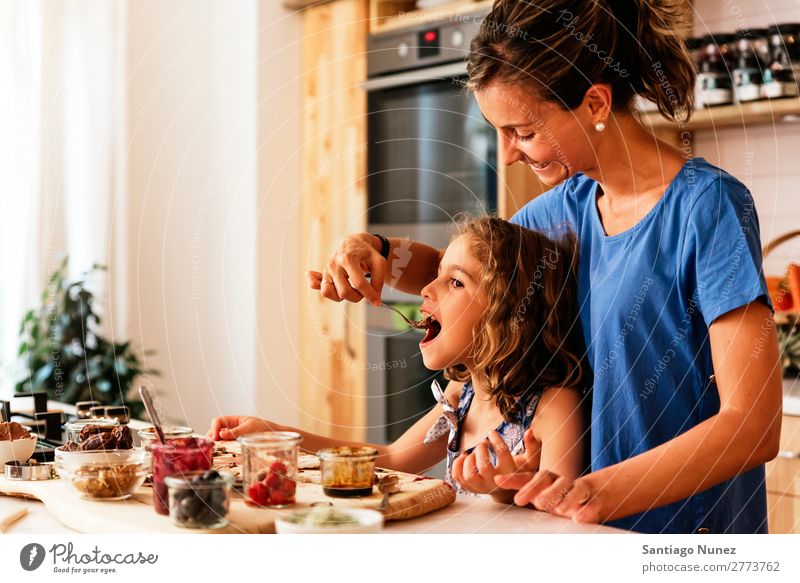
[[783, 481], [333, 204]]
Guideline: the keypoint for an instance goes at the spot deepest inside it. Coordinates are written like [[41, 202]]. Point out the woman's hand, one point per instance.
[[344, 276], [476, 473], [577, 499], [232, 426]]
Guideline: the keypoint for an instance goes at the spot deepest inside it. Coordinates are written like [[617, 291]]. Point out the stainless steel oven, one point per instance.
[[430, 156]]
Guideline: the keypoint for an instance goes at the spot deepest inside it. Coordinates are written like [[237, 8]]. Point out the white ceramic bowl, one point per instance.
[[19, 450], [367, 522]]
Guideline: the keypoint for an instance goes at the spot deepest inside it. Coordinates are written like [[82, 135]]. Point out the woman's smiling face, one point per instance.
[[455, 300], [537, 132]]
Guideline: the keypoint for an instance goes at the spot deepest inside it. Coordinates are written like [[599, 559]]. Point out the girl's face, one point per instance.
[[554, 142], [455, 300]]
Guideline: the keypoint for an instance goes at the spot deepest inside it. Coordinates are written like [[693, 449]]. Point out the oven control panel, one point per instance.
[[434, 43]]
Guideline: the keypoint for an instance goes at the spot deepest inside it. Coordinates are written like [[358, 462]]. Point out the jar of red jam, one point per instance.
[[269, 468], [177, 457]]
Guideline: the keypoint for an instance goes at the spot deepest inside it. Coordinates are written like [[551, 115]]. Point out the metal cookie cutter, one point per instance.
[[28, 471]]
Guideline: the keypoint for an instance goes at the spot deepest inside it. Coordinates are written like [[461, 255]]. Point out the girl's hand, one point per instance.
[[576, 499], [343, 277], [476, 473], [232, 426]]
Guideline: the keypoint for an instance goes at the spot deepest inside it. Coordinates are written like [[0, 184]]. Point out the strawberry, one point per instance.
[[259, 494], [278, 467], [279, 498], [273, 481]]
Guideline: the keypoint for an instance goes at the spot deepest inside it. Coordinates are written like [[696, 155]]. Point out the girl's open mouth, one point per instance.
[[432, 329]]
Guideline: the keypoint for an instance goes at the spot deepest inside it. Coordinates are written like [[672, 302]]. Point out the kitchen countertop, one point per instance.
[[466, 515]]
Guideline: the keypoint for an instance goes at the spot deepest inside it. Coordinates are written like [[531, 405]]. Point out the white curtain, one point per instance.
[[61, 143]]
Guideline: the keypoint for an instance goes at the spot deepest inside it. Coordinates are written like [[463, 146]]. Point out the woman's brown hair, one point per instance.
[[565, 46], [529, 338]]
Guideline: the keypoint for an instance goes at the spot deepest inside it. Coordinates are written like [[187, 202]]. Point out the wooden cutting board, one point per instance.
[[419, 495]]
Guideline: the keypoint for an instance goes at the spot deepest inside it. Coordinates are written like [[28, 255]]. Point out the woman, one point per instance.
[[685, 412]]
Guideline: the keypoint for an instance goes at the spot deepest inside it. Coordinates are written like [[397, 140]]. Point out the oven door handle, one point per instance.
[[419, 76]]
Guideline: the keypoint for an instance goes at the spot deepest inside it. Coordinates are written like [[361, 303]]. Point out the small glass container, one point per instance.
[[347, 472], [714, 83], [199, 499], [177, 457], [104, 475], [269, 468], [75, 427], [748, 73], [83, 409], [784, 44], [148, 435]]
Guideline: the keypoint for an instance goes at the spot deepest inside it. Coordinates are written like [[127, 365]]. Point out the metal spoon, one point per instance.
[[388, 484], [413, 323], [147, 399]]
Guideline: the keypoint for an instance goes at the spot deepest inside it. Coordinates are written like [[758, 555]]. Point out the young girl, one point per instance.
[[502, 322]]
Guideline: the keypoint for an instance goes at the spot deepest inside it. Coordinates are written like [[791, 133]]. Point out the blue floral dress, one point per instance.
[[510, 432]]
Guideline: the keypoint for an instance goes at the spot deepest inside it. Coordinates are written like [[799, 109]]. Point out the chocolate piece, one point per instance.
[[97, 437], [11, 430], [90, 430], [98, 441], [123, 436], [70, 446]]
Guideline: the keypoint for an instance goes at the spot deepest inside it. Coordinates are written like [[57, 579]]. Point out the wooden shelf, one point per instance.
[[757, 112], [394, 15]]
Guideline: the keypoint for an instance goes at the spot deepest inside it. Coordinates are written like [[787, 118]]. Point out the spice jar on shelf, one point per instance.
[[784, 44], [748, 73], [714, 80], [269, 468]]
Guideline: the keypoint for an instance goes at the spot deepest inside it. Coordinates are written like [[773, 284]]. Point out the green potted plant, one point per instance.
[[63, 354]]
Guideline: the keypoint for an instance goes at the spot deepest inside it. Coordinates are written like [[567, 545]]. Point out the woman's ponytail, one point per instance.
[[661, 67]]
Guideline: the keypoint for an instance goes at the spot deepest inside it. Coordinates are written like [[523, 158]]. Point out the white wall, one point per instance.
[[196, 197], [765, 157], [280, 274]]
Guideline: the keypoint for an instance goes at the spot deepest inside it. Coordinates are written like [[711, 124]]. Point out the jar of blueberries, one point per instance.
[[269, 468], [199, 499]]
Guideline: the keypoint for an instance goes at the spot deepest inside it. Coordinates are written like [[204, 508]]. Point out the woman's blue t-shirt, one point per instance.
[[648, 296]]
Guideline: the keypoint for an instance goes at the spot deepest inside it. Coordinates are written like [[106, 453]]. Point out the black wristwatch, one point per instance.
[[385, 246]]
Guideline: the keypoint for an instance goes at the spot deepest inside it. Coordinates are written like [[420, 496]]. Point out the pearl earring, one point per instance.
[[600, 126]]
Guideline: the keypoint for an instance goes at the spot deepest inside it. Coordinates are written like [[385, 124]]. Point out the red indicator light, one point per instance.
[[430, 36]]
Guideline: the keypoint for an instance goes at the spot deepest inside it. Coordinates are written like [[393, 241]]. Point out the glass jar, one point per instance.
[[784, 42], [148, 435], [199, 499], [714, 82], [347, 472], [74, 428], [748, 74], [177, 457], [269, 468]]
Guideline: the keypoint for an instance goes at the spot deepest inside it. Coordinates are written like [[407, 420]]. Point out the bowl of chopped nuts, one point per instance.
[[104, 475]]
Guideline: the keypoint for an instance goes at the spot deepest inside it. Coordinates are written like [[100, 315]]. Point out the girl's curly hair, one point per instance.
[[529, 338]]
